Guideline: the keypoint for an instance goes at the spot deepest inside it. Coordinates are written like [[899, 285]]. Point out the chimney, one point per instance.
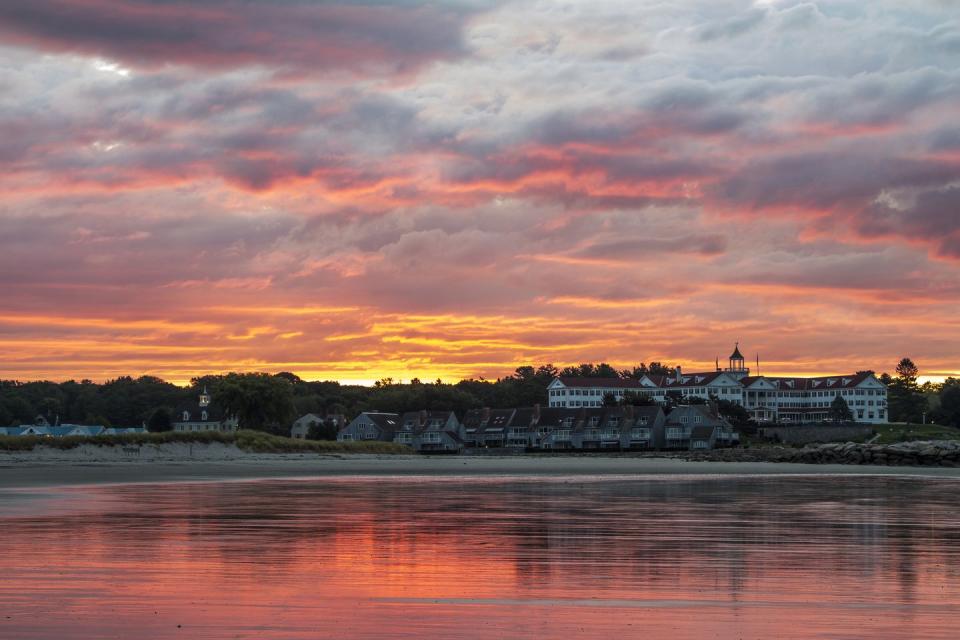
[[423, 417], [679, 373], [536, 413], [628, 412], [485, 414]]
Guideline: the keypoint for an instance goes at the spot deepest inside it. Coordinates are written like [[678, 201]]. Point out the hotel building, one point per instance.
[[766, 398]]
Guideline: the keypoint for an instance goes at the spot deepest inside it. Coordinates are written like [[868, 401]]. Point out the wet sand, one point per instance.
[[27, 473]]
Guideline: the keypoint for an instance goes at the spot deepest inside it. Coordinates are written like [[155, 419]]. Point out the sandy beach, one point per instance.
[[35, 473]]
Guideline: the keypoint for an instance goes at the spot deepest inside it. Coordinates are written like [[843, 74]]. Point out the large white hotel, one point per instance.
[[767, 398]]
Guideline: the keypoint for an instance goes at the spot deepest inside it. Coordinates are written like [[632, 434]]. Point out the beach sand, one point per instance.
[[37, 473]]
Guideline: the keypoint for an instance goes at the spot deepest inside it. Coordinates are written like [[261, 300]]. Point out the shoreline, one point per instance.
[[25, 474]]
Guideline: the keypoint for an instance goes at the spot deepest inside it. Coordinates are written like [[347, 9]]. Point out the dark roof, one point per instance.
[[820, 383], [554, 416], [522, 418], [651, 412], [214, 413], [736, 355], [702, 409], [689, 379], [386, 422], [427, 416], [608, 383], [701, 433], [497, 420]]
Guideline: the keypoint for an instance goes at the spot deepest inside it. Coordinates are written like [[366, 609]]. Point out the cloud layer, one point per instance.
[[354, 190]]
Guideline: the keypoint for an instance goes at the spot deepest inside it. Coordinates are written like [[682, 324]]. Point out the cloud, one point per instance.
[[299, 35], [357, 189]]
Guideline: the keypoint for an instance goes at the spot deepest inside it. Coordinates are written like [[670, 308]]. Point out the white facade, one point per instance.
[[588, 392], [767, 398]]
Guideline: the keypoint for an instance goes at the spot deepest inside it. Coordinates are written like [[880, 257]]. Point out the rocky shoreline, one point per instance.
[[927, 453]]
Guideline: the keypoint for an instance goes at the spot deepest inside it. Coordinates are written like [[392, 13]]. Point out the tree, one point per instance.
[[734, 413], [904, 400], [950, 404], [907, 371], [637, 399], [259, 401], [659, 369], [610, 400], [840, 410], [326, 430], [159, 420]]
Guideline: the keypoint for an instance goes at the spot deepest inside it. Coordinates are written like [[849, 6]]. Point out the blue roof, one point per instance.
[[62, 430]]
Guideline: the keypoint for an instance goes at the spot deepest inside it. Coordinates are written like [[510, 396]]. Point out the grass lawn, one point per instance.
[[891, 433], [255, 441]]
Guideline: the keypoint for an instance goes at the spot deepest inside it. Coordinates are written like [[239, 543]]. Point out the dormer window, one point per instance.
[[203, 415], [186, 416]]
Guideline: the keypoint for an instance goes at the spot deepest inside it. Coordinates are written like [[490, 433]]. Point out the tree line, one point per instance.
[[270, 402]]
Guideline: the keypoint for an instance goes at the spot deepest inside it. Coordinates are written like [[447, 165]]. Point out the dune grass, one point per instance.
[[893, 433], [253, 441]]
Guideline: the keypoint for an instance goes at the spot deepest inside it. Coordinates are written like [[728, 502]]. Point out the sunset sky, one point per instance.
[[354, 190]]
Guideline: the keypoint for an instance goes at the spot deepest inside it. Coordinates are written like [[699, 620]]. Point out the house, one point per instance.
[[202, 415], [521, 433], [555, 427], [65, 430], [697, 426], [301, 426], [644, 429], [370, 425], [487, 428], [430, 431]]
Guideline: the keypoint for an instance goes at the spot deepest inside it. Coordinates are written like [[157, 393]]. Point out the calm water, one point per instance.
[[485, 558]]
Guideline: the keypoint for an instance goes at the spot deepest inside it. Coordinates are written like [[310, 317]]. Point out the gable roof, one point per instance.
[[702, 432], [606, 383], [819, 383]]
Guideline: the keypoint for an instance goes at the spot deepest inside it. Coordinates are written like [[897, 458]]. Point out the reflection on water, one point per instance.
[[485, 558]]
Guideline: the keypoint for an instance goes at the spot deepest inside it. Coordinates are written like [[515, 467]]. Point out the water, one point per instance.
[[747, 557]]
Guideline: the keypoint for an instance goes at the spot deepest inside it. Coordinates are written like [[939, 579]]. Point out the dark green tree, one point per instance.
[[637, 399], [905, 401], [159, 420], [325, 430], [259, 401], [734, 413], [840, 410], [949, 412]]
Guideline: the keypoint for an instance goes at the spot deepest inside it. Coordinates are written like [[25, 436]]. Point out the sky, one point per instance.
[[368, 189]]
